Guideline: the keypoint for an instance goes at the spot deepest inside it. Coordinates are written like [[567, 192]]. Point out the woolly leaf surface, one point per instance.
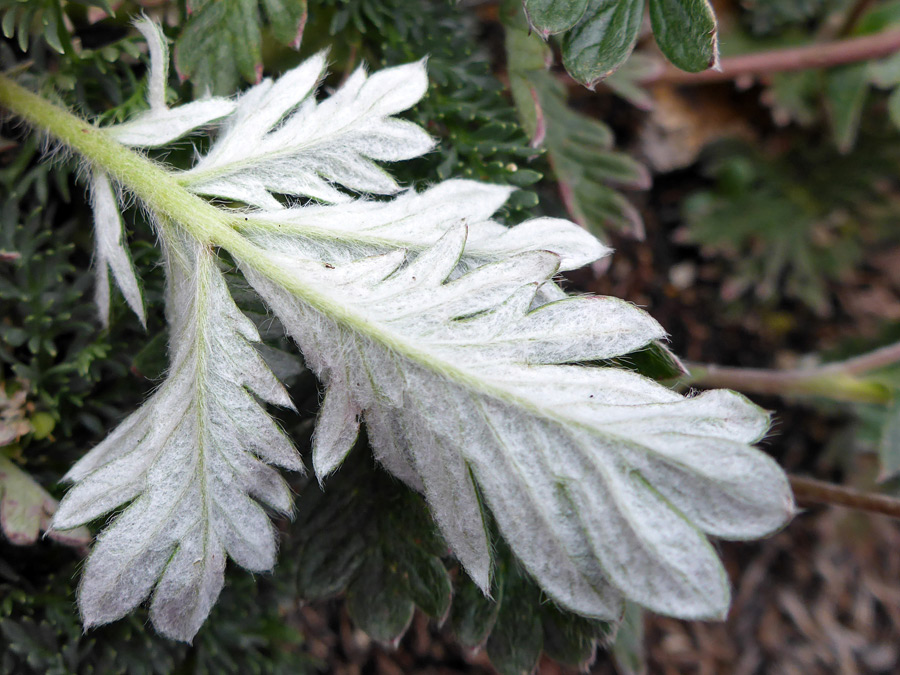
[[603, 482], [160, 124], [281, 140], [417, 221], [192, 466], [111, 252]]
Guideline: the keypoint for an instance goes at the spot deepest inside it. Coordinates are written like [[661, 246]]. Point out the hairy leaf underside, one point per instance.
[[440, 330], [602, 481]]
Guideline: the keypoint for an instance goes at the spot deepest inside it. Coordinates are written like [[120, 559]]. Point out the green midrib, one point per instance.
[[163, 194]]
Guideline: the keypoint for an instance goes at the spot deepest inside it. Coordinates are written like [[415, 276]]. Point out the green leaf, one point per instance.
[[516, 642], [549, 17], [846, 96], [426, 581], [569, 638], [327, 565], [889, 443], [626, 81], [885, 73], [894, 107], [602, 40], [473, 615], [628, 649], [287, 19], [686, 33], [655, 361], [219, 45], [377, 601]]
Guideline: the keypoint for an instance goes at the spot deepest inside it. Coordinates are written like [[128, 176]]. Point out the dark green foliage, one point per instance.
[[27, 18], [372, 536], [555, 16], [516, 642], [586, 165], [465, 108], [473, 615], [837, 96], [685, 31], [604, 38], [48, 337], [767, 17], [598, 36], [222, 42], [526, 624], [628, 649], [579, 148], [783, 226], [42, 635]]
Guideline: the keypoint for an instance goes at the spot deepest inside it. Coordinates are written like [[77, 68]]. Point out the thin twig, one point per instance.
[[824, 55], [838, 381], [810, 491], [880, 358]]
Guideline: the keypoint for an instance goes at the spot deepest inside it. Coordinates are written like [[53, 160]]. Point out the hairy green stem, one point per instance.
[[161, 193], [148, 181]]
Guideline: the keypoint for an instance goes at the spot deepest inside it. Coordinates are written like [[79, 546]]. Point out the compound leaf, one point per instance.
[[280, 140], [191, 463], [600, 479]]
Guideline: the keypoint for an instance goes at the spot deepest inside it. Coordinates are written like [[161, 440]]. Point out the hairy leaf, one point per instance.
[[190, 462], [156, 127], [280, 140], [414, 221], [602, 481], [111, 252], [161, 125]]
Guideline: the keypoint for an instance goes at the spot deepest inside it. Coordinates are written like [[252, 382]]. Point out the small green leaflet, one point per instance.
[[602, 41], [222, 42], [600, 35], [549, 17], [686, 33]]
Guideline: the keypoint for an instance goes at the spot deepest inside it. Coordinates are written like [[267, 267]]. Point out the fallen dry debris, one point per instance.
[[820, 597]]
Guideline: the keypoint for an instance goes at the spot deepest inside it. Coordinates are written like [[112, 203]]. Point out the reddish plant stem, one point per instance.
[[825, 55], [834, 380], [880, 358], [810, 491]]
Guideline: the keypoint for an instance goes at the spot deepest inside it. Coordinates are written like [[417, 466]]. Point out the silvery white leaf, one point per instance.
[[156, 128], [192, 464], [281, 141], [604, 483], [110, 250], [158, 77], [344, 232], [161, 125]]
